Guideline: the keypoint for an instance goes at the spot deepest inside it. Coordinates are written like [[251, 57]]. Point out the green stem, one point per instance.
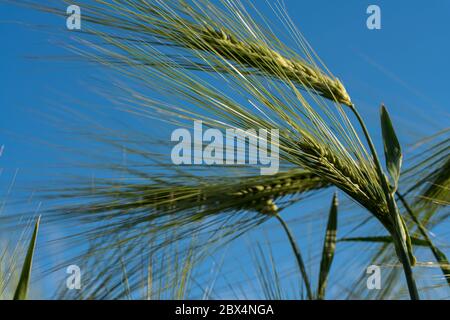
[[439, 255], [399, 243], [298, 256]]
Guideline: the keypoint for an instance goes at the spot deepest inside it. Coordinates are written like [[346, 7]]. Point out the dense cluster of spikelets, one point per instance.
[[270, 62]]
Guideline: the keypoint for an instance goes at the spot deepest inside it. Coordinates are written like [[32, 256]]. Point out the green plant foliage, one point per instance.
[[329, 248], [21, 292], [392, 149]]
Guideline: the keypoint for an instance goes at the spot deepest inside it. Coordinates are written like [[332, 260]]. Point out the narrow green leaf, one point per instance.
[[329, 247], [298, 256], [392, 149], [439, 255], [384, 239], [22, 288]]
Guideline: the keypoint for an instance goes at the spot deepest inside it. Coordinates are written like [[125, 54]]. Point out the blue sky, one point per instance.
[[405, 65]]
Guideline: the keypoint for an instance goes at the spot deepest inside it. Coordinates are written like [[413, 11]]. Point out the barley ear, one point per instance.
[[267, 61]]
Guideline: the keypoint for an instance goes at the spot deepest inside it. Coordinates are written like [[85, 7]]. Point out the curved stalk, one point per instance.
[[298, 256], [399, 242]]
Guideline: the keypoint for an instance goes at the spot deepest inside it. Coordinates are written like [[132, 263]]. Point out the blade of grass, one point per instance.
[[383, 239], [329, 247], [438, 254], [22, 288], [392, 149], [298, 256]]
